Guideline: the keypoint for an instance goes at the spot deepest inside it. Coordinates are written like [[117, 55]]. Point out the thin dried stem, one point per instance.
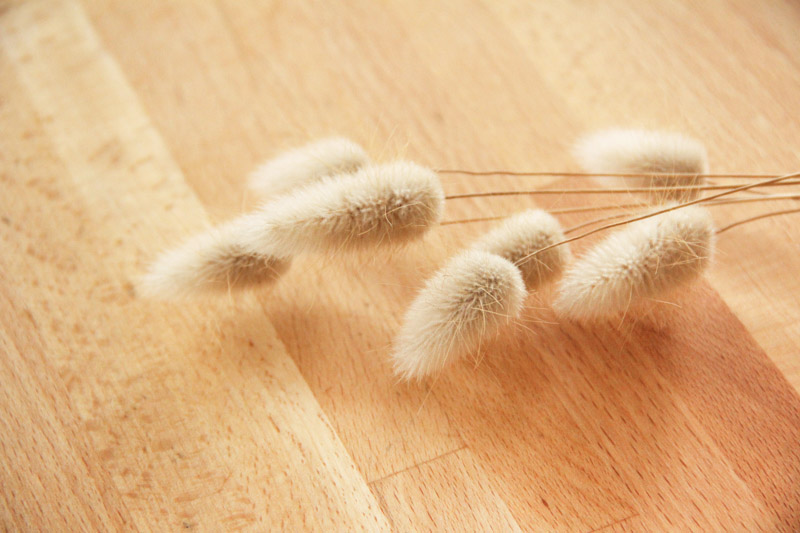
[[596, 174], [759, 217], [649, 190], [559, 211], [595, 221], [659, 212], [712, 202], [612, 207], [470, 220]]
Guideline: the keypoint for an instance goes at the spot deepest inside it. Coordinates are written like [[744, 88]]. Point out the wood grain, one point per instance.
[[127, 126], [182, 431], [450, 493], [719, 70]]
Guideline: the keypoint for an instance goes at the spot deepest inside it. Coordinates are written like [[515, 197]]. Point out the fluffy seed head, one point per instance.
[[631, 151], [307, 164], [467, 300], [379, 204], [216, 260], [524, 233], [644, 259]]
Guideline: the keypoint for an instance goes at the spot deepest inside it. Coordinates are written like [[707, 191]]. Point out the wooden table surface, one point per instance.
[[127, 126]]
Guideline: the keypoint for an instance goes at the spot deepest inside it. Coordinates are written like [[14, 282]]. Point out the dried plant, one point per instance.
[[379, 204], [644, 259], [523, 233], [307, 164], [466, 301], [216, 260], [333, 200], [672, 158]]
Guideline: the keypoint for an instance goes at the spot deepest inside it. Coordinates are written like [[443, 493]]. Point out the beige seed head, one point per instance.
[[307, 164], [644, 259], [464, 302], [380, 204], [518, 236], [632, 151], [216, 260]]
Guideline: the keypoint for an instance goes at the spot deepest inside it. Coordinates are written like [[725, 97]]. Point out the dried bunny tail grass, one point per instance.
[[522, 234], [380, 204], [467, 300], [621, 150], [216, 260], [307, 164], [644, 259]]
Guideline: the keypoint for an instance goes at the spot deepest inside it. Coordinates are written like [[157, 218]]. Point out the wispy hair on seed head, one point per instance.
[[216, 260], [465, 302], [380, 204], [644, 259], [522, 234], [676, 158], [307, 164]]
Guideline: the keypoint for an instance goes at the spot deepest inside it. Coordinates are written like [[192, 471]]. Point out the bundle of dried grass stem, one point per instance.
[[328, 197]]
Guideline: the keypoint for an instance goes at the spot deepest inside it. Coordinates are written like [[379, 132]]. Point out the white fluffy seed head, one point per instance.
[[216, 260], [632, 151], [463, 303], [380, 204], [518, 236], [644, 259], [307, 164]]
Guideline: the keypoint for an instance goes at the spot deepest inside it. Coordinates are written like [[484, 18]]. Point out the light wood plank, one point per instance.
[[603, 479], [51, 478], [201, 437], [215, 416], [727, 76], [448, 493]]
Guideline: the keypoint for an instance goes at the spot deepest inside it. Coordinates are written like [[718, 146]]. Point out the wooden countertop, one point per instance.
[[127, 126]]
